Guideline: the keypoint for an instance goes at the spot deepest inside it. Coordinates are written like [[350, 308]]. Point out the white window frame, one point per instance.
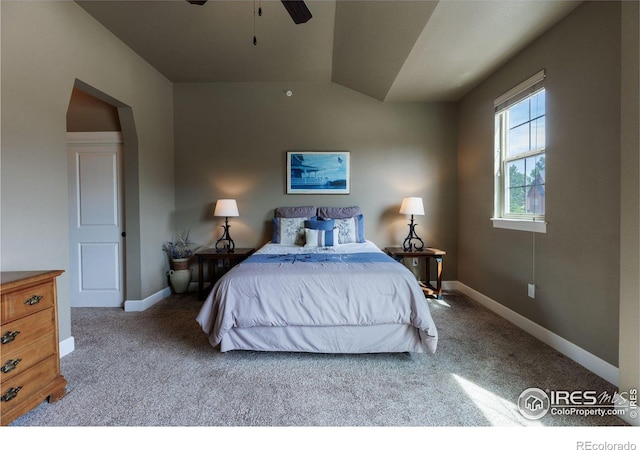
[[523, 222]]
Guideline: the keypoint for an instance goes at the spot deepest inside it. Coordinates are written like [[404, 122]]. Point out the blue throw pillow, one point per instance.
[[316, 224]]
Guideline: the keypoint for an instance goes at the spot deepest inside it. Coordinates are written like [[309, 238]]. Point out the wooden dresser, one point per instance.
[[29, 349]]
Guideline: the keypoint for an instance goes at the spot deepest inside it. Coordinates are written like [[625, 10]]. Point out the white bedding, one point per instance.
[[326, 299]]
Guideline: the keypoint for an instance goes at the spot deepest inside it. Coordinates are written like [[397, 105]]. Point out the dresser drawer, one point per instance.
[[27, 301], [18, 359], [28, 385], [23, 332]]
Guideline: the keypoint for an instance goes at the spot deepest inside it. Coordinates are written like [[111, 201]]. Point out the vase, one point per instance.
[[180, 280], [180, 264]]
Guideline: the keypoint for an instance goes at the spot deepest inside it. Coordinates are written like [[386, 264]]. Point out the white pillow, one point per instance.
[[288, 231], [351, 229], [347, 231]]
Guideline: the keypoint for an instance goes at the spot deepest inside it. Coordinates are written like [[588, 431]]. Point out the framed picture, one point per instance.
[[318, 172]]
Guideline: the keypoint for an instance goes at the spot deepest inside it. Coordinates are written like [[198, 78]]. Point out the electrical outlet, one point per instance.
[[531, 290], [414, 263]]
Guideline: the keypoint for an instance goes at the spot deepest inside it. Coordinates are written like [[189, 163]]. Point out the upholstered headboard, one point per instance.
[[323, 212], [293, 224]]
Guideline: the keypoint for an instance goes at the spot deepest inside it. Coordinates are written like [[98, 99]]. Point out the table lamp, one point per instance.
[[226, 208], [413, 206]]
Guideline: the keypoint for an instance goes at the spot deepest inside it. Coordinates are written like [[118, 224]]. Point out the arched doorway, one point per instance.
[[104, 220]]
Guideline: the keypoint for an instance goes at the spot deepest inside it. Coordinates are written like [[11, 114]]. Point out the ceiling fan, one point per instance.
[[296, 9]]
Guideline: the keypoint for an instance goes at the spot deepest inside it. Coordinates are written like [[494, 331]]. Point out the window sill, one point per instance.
[[534, 226]]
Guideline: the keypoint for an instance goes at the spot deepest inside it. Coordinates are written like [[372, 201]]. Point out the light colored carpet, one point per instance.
[[156, 368]]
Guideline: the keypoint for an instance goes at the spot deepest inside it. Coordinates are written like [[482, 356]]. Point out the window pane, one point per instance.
[[535, 199], [519, 140], [516, 200], [538, 173], [534, 168], [519, 114], [529, 171], [536, 192], [538, 104], [515, 173], [538, 134]]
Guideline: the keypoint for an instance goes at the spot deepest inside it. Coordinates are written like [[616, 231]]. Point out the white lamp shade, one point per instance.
[[412, 205], [226, 207]]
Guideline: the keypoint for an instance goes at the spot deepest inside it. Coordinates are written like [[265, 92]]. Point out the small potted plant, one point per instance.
[[179, 253]]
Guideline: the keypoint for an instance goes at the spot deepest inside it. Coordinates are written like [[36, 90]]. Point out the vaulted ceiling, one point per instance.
[[392, 50]]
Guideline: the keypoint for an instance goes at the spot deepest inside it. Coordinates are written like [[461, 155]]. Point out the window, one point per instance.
[[520, 159]]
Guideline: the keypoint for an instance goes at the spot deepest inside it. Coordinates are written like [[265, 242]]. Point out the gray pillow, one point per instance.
[[295, 211], [338, 212]]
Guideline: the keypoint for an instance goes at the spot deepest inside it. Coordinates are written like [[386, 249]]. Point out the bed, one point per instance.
[[319, 286]]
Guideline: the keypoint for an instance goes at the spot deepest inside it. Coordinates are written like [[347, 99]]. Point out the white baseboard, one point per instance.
[[67, 346], [447, 285], [141, 305], [588, 360]]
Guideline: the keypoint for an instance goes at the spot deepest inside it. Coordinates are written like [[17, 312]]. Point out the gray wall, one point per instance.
[[46, 46], [232, 139], [577, 260]]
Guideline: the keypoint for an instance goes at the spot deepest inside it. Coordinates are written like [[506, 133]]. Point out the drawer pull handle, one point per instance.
[[10, 394], [34, 300], [9, 336], [10, 365]]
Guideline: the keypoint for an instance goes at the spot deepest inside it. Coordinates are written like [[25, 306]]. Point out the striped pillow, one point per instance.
[[320, 238]]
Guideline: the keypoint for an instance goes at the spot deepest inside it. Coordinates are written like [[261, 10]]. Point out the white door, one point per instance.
[[96, 230]]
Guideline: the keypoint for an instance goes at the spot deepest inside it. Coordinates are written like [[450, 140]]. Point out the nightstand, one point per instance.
[[398, 253], [223, 262]]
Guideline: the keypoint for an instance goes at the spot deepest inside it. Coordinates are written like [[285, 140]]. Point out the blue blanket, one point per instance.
[[320, 258]]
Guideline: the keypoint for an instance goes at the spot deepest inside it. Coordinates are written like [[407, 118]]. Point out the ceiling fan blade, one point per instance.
[[297, 10]]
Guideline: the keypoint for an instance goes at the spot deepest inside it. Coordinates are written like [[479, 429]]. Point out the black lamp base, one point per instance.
[[407, 245], [225, 243]]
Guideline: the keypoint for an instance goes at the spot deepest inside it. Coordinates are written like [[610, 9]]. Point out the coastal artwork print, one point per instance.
[[318, 172]]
